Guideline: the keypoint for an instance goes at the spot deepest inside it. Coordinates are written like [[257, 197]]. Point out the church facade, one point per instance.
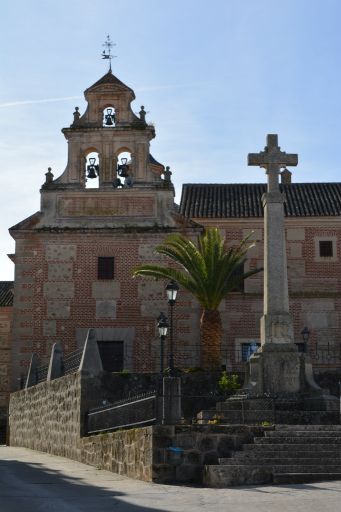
[[105, 214]]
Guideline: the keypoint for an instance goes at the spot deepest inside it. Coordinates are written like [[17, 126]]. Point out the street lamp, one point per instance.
[[305, 333], [163, 328], [172, 289]]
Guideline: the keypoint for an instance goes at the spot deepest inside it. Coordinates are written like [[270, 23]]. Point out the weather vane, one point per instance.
[[106, 54]]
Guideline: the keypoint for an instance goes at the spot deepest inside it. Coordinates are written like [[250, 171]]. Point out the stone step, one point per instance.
[[303, 478], [304, 433], [301, 428], [289, 468], [228, 476], [296, 447], [298, 440], [261, 459]]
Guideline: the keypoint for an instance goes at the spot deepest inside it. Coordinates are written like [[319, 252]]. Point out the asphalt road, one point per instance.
[[37, 482]]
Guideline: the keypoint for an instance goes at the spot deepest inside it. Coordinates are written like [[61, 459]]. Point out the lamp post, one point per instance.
[[305, 333], [163, 328], [172, 289]]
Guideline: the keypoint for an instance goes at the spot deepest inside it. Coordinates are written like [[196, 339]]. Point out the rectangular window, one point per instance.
[[239, 271], [248, 349], [105, 268], [326, 248]]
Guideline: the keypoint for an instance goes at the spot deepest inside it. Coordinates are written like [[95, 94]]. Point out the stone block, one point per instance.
[[61, 252], [148, 308], [151, 290], [106, 309], [58, 309], [49, 328], [253, 285], [318, 305], [106, 290], [321, 319], [59, 290], [210, 457], [296, 269], [295, 250], [295, 234], [146, 252], [189, 473], [60, 271]]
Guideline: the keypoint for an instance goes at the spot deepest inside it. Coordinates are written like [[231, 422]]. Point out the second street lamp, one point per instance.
[[172, 289], [163, 328]]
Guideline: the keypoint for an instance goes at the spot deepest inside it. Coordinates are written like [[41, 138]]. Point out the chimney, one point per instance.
[[286, 176]]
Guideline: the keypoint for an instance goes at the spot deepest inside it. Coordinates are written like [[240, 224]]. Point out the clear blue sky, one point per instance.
[[215, 77]]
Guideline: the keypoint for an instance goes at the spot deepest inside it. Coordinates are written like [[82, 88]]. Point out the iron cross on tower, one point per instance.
[[272, 159], [106, 54]]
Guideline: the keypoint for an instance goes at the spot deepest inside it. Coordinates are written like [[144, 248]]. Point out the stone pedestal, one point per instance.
[[276, 369]]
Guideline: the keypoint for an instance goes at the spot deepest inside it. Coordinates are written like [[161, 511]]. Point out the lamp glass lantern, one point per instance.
[[305, 333], [172, 289], [162, 326]]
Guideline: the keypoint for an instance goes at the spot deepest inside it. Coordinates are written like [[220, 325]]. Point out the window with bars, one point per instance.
[[105, 269], [326, 248]]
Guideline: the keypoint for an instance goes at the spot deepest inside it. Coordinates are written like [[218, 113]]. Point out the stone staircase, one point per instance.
[[288, 454]]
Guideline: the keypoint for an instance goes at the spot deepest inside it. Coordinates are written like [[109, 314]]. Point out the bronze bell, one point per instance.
[[109, 117], [123, 168], [91, 172], [92, 169]]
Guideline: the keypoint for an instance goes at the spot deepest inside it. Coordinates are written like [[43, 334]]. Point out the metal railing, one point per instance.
[[42, 373], [139, 410], [72, 361]]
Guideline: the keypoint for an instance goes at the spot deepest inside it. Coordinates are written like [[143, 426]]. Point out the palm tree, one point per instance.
[[210, 272]]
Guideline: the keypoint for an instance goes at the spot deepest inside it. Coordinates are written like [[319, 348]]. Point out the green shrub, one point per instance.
[[228, 383]]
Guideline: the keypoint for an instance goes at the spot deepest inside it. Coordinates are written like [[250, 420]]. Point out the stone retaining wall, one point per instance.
[[46, 417], [128, 452], [50, 417]]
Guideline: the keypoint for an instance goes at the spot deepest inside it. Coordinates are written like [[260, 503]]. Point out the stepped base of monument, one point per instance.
[[274, 410], [284, 455]]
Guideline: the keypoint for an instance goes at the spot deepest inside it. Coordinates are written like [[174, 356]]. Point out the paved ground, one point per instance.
[[33, 481]]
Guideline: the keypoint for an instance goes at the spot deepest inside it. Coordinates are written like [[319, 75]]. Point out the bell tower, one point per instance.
[[109, 128], [110, 172]]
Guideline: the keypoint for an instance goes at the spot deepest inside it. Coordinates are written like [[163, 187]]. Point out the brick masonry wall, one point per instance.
[[58, 296], [5, 356]]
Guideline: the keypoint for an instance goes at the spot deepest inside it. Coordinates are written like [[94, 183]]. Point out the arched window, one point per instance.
[[109, 118], [92, 170], [124, 176]]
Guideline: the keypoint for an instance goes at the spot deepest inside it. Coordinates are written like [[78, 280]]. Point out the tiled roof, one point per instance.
[[109, 78], [244, 200], [6, 294]]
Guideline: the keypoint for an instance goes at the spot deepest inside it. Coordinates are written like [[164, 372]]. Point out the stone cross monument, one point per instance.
[[276, 323], [275, 369]]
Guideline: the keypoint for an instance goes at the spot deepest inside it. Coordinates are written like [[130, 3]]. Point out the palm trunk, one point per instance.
[[211, 337]]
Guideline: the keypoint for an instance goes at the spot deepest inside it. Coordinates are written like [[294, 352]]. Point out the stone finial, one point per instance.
[[31, 379], [167, 174], [49, 175], [143, 114], [91, 361], [76, 116], [56, 362], [286, 176]]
